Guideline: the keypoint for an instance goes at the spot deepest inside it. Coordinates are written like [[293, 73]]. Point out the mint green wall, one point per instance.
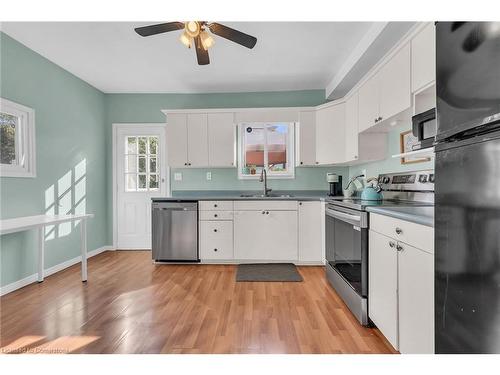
[[390, 164], [70, 127], [226, 179]]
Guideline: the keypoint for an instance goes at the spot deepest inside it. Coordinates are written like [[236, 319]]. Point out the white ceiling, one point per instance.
[[113, 58]]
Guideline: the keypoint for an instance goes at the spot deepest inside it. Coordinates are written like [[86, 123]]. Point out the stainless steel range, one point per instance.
[[347, 224]]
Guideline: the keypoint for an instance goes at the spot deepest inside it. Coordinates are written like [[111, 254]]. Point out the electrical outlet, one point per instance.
[[209, 176], [178, 176]]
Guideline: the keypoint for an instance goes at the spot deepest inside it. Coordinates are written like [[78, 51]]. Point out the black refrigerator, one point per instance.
[[467, 188]]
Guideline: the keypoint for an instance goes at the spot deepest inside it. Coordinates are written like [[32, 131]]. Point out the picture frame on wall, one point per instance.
[[407, 143]]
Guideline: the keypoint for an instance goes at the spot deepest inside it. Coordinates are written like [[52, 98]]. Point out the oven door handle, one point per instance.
[[351, 219]]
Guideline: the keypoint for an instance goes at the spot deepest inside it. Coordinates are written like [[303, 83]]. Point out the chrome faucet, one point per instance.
[[263, 178]]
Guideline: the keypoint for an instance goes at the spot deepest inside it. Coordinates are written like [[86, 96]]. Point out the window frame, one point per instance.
[[290, 154], [25, 140]]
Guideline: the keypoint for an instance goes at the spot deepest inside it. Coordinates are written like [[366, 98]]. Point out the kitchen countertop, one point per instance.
[[233, 195], [420, 215]]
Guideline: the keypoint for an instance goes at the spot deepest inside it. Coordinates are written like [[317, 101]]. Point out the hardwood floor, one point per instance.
[[130, 305]]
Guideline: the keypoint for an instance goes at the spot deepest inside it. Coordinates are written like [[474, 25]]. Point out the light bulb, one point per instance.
[[206, 40], [192, 28], [185, 39]]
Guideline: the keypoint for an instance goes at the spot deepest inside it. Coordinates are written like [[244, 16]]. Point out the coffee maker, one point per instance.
[[335, 182]]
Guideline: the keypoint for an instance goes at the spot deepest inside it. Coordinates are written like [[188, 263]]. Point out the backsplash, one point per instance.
[[306, 178], [390, 164]]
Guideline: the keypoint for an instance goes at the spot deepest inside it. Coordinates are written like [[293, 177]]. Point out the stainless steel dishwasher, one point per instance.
[[175, 231]]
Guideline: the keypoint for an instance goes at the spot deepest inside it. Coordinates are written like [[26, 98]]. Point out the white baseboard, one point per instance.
[[50, 271]]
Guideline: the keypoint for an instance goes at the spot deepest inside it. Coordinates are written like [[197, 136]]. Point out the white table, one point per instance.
[[39, 222]]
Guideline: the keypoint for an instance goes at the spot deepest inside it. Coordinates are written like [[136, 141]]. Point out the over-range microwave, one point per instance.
[[425, 127]]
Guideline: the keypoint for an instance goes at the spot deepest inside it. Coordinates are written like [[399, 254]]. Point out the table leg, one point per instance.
[[41, 252], [83, 234]]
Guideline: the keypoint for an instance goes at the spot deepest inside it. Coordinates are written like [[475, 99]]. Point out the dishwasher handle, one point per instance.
[[175, 206]]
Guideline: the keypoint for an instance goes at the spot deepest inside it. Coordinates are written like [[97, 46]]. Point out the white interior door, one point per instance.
[[141, 174]]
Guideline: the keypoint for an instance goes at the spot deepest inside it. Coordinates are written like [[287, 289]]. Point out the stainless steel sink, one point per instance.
[[266, 196]]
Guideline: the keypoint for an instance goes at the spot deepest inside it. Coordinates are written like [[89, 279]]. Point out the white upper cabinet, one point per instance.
[[307, 138], [351, 128], [197, 139], [330, 134], [221, 140], [423, 58], [177, 149], [387, 92], [368, 102], [395, 93]]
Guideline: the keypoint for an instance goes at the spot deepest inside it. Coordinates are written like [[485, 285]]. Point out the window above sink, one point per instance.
[[268, 145]]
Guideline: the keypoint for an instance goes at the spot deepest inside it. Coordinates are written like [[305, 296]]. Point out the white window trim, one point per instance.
[[290, 153], [26, 140]]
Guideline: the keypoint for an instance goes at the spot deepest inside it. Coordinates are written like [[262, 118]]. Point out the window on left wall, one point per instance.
[[17, 140]]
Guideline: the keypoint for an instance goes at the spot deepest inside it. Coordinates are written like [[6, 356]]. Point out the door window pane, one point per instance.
[[131, 145], [141, 163], [8, 128], [142, 181], [131, 182], [152, 164], [142, 144], [153, 182]]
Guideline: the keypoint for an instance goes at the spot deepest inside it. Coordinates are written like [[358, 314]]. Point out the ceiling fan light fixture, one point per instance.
[[186, 39], [206, 40], [192, 28]]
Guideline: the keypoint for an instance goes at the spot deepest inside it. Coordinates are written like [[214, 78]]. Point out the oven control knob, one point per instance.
[[422, 178], [386, 180], [431, 178]]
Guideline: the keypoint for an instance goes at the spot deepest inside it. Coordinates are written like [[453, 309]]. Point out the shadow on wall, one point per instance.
[[67, 196]]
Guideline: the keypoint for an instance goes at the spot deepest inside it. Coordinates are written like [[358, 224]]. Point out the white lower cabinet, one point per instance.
[[216, 240], [265, 235], [382, 285], [416, 300], [401, 283], [311, 232]]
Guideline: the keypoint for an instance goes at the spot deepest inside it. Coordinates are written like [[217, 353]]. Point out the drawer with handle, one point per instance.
[[216, 205], [216, 240], [418, 235], [216, 215]]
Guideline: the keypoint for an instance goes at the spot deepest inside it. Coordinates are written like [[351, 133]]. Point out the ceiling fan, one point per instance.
[[197, 32]]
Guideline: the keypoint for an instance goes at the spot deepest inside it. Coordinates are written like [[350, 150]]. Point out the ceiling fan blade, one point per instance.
[[201, 53], [159, 28], [233, 35]]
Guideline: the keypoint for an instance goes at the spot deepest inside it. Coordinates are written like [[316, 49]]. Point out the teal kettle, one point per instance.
[[371, 192]]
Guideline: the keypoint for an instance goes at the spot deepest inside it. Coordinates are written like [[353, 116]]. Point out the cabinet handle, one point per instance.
[[263, 212], [380, 118], [399, 247], [300, 203], [215, 249], [355, 156], [391, 244], [215, 215], [301, 162], [215, 205], [399, 230], [215, 230], [376, 120], [185, 163], [317, 162], [267, 212]]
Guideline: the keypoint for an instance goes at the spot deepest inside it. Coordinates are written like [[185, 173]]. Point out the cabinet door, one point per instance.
[[369, 103], [330, 134], [395, 95], [307, 138], [197, 131], [177, 140], [221, 140], [351, 128], [216, 240], [416, 300], [311, 232], [423, 58], [382, 281], [265, 235]]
